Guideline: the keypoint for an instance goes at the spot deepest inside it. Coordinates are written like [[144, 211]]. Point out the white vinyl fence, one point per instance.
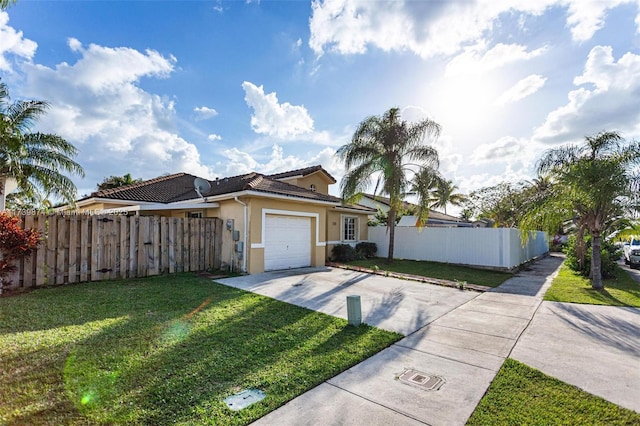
[[490, 247]]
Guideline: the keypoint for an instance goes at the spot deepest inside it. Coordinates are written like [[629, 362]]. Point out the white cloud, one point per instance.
[[523, 88], [609, 99], [280, 120], [585, 17], [203, 112], [213, 137], [478, 59], [504, 149], [117, 127], [12, 42], [433, 28]]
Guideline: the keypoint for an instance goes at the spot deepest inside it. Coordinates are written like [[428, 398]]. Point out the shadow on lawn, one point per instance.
[[215, 353]]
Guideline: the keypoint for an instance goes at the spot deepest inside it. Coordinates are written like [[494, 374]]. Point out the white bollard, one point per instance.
[[354, 310]]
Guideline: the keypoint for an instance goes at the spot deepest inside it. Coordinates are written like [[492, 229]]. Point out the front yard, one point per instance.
[[163, 350], [573, 288]]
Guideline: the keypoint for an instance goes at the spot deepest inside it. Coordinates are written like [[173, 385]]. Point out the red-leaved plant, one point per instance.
[[15, 243]]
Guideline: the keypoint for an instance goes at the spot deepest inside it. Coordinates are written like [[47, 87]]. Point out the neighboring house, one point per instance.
[[436, 219], [377, 202], [285, 220]]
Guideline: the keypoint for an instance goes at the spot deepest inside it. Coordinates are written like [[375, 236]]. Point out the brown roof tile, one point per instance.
[[179, 187], [302, 172]]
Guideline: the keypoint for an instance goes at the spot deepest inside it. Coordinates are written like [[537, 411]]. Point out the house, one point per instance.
[[7, 184], [435, 218], [279, 221]]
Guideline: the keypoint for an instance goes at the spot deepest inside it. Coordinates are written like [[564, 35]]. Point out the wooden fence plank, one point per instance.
[[85, 248], [41, 267], [155, 247], [172, 245], [164, 245], [134, 229], [217, 244], [51, 249], [73, 249], [123, 263], [29, 261], [96, 250], [179, 246]]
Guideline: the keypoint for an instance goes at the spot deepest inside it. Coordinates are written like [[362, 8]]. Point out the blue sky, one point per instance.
[[220, 88]]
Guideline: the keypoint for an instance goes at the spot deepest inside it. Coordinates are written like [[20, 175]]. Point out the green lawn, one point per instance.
[[443, 271], [163, 350], [521, 395], [570, 287]]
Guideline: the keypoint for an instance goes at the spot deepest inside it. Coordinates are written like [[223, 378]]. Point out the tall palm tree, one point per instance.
[[592, 184], [392, 152], [444, 194], [34, 160]]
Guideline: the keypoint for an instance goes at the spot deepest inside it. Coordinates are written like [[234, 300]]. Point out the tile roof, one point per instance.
[[302, 172], [179, 187]]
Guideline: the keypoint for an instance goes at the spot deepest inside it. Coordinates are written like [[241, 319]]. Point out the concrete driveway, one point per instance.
[[388, 303]]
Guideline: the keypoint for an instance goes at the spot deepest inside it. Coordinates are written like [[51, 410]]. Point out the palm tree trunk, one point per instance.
[[596, 262], [391, 223]]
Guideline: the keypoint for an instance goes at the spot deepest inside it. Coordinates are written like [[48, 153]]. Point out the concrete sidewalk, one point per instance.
[[464, 347]]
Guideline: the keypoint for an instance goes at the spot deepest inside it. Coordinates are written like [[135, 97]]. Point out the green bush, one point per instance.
[[367, 250], [609, 254], [344, 253]]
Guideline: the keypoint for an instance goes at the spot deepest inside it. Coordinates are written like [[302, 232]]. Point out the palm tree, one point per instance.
[[592, 185], [445, 194], [35, 160], [4, 4], [391, 152]]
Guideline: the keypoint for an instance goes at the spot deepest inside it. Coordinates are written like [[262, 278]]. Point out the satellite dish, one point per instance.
[[201, 186]]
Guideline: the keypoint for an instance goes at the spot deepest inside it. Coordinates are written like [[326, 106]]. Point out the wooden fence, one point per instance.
[[77, 248]]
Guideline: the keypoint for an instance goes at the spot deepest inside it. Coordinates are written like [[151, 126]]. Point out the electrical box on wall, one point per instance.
[[229, 224], [236, 235], [239, 246]]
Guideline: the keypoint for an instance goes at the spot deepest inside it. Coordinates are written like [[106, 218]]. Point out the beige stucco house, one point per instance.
[[280, 221]]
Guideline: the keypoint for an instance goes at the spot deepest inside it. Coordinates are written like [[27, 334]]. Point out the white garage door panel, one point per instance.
[[287, 242]]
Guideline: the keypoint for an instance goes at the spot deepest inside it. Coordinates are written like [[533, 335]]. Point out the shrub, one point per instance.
[[15, 243], [368, 250], [609, 254], [344, 253]]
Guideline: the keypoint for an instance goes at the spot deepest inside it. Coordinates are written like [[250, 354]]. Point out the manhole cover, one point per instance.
[[244, 399], [425, 381]]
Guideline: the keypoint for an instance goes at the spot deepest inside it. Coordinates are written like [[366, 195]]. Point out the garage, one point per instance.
[[287, 242]]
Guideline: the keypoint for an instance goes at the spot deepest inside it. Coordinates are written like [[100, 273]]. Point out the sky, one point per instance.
[[222, 88]]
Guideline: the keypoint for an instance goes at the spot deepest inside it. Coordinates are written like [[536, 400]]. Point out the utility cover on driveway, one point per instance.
[[425, 381]]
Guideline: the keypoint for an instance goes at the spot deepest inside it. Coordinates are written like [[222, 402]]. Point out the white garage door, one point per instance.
[[287, 242]]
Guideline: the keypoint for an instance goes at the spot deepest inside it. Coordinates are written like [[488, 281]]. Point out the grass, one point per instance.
[[521, 395], [164, 350], [571, 287], [443, 271]]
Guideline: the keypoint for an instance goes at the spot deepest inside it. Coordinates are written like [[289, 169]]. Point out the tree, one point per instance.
[[34, 160], [503, 204], [15, 243], [593, 185], [4, 4], [444, 194], [117, 181], [392, 152]]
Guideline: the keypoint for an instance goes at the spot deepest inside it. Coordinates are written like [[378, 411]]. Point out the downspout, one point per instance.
[[244, 234]]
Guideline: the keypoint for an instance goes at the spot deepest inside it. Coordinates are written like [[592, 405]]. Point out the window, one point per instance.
[[312, 187], [349, 228], [193, 214]]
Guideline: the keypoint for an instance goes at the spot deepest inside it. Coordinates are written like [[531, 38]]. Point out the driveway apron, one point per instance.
[[461, 348]]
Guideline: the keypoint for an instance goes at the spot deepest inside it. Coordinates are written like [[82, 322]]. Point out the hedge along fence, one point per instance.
[[78, 248]]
